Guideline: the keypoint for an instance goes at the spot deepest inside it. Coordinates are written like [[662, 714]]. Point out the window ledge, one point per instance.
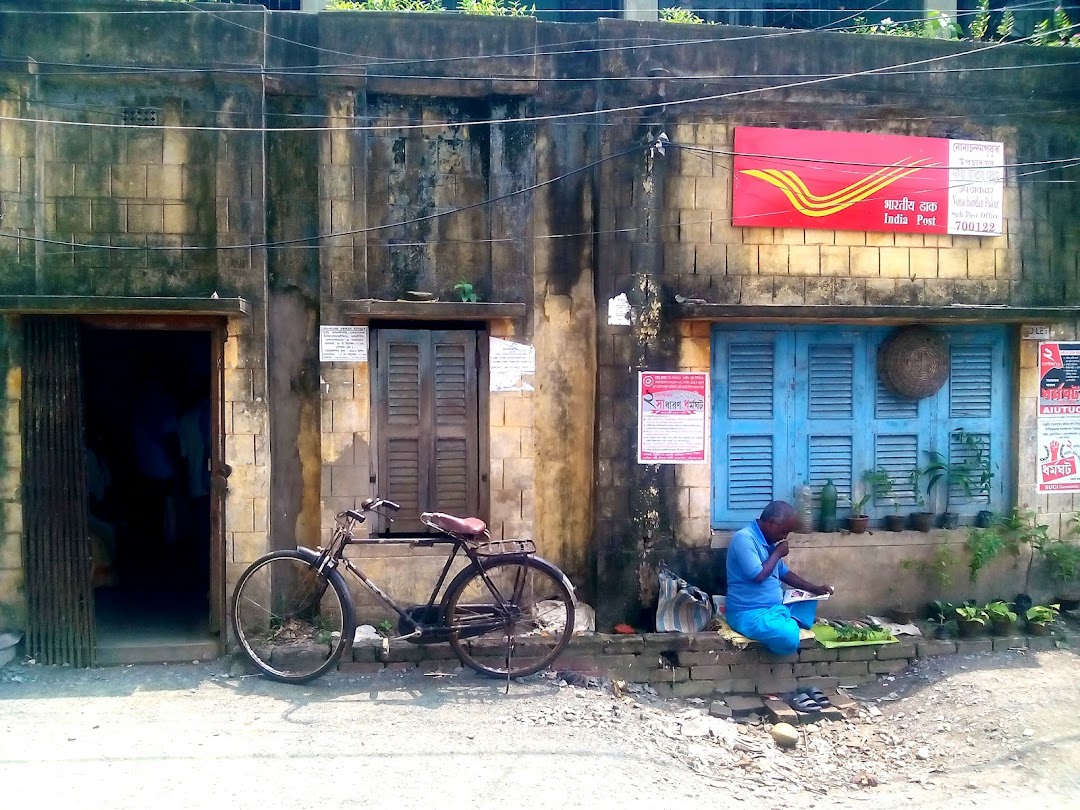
[[721, 538], [121, 305], [880, 314], [366, 308]]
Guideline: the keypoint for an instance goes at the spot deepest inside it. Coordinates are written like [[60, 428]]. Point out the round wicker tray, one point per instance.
[[914, 361]]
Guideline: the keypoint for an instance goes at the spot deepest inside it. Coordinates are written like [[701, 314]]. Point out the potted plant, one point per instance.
[[858, 521], [1040, 618], [921, 520], [981, 474], [1061, 562], [1002, 618], [971, 620], [884, 489], [940, 470], [900, 613], [942, 613]]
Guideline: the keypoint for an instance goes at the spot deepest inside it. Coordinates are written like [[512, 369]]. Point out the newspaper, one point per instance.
[[798, 595]]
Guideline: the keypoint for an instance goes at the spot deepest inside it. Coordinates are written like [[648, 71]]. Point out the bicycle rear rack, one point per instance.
[[495, 548]]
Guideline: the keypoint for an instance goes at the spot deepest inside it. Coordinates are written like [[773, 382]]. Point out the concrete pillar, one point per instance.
[[641, 10]]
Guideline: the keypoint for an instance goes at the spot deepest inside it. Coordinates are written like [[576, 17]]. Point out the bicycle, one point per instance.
[[507, 614]]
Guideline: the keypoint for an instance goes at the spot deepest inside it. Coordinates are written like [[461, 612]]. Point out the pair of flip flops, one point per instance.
[[809, 700]]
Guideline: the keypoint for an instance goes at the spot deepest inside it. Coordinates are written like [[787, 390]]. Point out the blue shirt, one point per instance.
[[745, 555]]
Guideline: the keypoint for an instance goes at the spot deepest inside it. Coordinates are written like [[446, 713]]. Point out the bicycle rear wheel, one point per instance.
[[511, 618], [291, 621]]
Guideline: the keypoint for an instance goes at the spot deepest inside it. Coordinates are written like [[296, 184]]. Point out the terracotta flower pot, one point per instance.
[[1036, 629], [858, 524], [900, 616]]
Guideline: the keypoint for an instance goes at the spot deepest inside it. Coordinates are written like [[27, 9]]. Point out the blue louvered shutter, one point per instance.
[[749, 448], [899, 435], [976, 403], [828, 398]]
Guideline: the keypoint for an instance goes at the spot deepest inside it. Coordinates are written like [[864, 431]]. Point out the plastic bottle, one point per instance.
[[828, 507], [804, 508]]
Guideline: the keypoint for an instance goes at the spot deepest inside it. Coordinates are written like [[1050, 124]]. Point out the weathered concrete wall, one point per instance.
[[605, 217], [704, 256]]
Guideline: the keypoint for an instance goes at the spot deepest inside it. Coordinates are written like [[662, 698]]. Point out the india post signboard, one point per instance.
[[794, 178]]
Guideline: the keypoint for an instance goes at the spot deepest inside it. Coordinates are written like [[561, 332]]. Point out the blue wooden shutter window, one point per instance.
[[807, 404]]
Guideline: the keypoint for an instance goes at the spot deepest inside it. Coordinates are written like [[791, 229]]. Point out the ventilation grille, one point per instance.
[[140, 116]]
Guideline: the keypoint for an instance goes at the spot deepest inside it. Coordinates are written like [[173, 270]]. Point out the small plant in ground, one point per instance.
[[1061, 561], [1042, 614], [496, 8], [1056, 31], [386, 627], [387, 5], [681, 15], [466, 292], [983, 545]]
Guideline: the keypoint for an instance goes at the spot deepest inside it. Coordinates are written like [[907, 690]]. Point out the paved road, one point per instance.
[[188, 736], [993, 731]]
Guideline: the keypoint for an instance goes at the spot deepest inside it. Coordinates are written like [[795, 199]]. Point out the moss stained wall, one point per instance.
[[650, 226]]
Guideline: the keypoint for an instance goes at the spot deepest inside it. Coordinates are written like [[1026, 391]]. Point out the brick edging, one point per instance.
[[704, 664]]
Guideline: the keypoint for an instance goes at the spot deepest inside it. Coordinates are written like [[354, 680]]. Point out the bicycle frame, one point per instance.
[[334, 555]]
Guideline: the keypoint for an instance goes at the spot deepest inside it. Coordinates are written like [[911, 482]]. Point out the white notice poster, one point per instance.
[[343, 344], [511, 365], [673, 417], [976, 180]]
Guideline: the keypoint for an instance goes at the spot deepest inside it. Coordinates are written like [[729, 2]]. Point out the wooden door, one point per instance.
[[427, 423]]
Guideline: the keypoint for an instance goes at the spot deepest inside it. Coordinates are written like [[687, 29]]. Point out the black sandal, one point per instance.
[[802, 702], [816, 695]]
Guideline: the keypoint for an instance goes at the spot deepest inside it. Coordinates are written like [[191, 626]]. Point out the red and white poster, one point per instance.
[[793, 178], [1059, 379], [1058, 467], [672, 417]]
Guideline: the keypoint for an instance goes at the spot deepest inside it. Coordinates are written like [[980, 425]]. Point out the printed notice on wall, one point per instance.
[[343, 344], [1059, 379], [1058, 466], [672, 417], [1058, 469], [976, 180], [511, 365]]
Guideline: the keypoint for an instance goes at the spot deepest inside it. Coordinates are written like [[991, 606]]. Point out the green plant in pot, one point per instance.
[[1061, 564], [858, 520], [902, 613], [971, 620], [943, 614], [1040, 618], [881, 484], [939, 470], [1002, 618], [921, 520]]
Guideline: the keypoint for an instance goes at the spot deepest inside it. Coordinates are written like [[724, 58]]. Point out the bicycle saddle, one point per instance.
[[454, 525]]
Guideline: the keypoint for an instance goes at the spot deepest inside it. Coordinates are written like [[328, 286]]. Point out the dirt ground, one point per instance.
[[994, 730]]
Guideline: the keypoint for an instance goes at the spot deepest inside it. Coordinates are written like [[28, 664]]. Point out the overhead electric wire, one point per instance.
[[300, 241], [883, 70]]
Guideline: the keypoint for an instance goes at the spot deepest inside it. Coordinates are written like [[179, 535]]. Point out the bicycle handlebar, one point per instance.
[[371, 504]]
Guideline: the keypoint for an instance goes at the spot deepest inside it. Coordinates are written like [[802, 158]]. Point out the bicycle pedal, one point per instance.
[[413, 634]]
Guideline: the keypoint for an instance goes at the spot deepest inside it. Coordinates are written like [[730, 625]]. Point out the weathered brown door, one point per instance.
[[59, 595], [427, 423]]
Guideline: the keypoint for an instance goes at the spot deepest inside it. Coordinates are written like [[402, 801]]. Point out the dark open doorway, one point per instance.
[[147, 411]]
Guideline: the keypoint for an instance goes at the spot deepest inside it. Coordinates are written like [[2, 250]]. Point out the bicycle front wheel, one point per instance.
[[291, 621], [510, 617]]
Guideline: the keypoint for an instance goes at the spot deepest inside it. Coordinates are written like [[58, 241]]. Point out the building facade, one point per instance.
[[219, 247]]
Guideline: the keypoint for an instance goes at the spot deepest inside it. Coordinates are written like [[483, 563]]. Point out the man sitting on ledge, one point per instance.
[[755, 569]]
